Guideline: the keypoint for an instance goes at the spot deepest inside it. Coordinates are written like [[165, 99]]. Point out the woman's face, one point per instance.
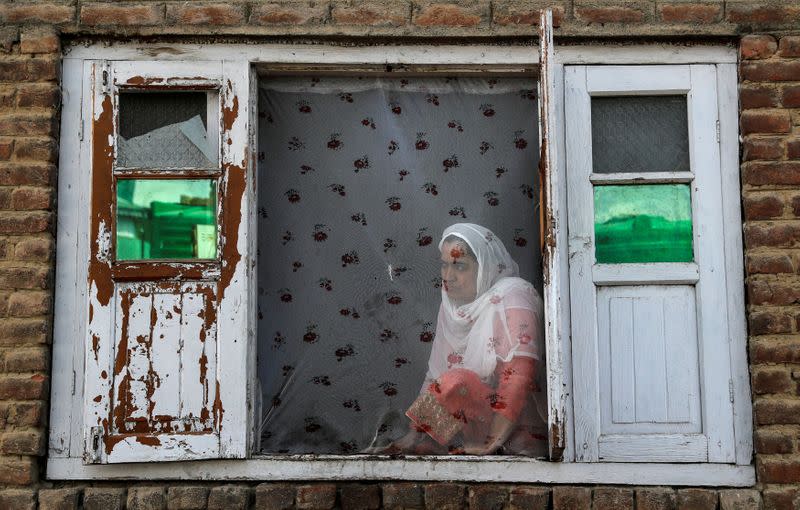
[[459, 273]]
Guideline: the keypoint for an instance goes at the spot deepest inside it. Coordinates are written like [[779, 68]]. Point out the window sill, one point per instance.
[[463, 468]]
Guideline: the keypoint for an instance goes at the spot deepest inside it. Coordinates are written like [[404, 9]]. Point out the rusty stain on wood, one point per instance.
[[102, 200]]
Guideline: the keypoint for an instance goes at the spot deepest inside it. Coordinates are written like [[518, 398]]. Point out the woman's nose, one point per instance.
[[447, 272]]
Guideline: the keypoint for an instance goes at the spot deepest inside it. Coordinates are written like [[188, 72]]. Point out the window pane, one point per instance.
[[166, 130], [358, 178], [640, 134], [643, 223], [166, 219]]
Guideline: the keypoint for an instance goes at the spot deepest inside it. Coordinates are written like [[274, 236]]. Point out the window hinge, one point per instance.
[[717, 131], [73, 382], [80, 130], [94, 441], [730, 390]]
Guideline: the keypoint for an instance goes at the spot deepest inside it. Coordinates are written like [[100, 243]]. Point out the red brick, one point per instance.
[[789, 46], [762, 207], [301, 13], [34, 249], [608, 498], [762, 148], [18, 471], [8, 96], [23, 387], [24, 278], [755, 47], [753, 96], [187, 498], [403, 495], [217, 14], [690, 13], [772, 380], [30, 174], [449, 496], [770, 323], [777, 411], [572, 498], [35, 359], [29, 304], [796, 205], [39, 41], [487, 496], [697, 499], [511, 12], [528, 498], [30, 124], [113, 498], [38, 12], [781, 235], [24, 331], [370, 13], [33, 222], [6, 148], [22, 443], [773, 441], [8, 37], [778, 470], [790, 96], [655, 498], [271, 495], [43, 95], [781, 498], [750, 13], [60, 499], [772, 121], [18, 499], [29, 69], [29, 199], [592, 13], [450, 15], [771, 71], [100, 14], [793, 149], [225, 497], [781, 350], [740, 499], [24, 414], [316, 496], [36, 149], [772, 172], [780, 292]]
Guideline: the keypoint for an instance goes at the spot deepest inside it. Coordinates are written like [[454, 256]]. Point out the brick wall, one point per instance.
[[30, 40]]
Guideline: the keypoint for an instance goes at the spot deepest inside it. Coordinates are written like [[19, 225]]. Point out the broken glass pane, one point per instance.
[[166, 219], [166, 130], [640, 134], [643, 223]]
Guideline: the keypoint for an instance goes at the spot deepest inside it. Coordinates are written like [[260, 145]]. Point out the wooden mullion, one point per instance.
[[172, 173]]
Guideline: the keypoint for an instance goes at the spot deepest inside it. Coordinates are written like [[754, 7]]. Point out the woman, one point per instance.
[[480, 394]]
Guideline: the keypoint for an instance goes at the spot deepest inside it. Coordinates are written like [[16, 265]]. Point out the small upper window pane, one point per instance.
[[640, 134], [167, 130]]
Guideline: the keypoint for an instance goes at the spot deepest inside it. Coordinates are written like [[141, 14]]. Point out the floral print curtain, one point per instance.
[[357, 179]]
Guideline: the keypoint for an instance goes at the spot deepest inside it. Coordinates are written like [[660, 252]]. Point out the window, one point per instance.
[[160, 152]]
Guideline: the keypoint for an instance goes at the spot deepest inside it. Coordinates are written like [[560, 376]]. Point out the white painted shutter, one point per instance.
[[552, 217], [651, 360], [166, 359]]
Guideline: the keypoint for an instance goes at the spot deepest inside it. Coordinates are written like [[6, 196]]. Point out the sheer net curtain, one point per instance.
[[357, 179]]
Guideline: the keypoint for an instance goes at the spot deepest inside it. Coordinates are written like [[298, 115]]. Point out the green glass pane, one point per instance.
[[643, 223], [166, 219]]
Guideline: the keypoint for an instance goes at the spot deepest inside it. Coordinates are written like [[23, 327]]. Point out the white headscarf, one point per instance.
[[475, 335]]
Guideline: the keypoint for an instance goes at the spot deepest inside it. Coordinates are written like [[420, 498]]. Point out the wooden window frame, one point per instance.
[[64, 461]]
